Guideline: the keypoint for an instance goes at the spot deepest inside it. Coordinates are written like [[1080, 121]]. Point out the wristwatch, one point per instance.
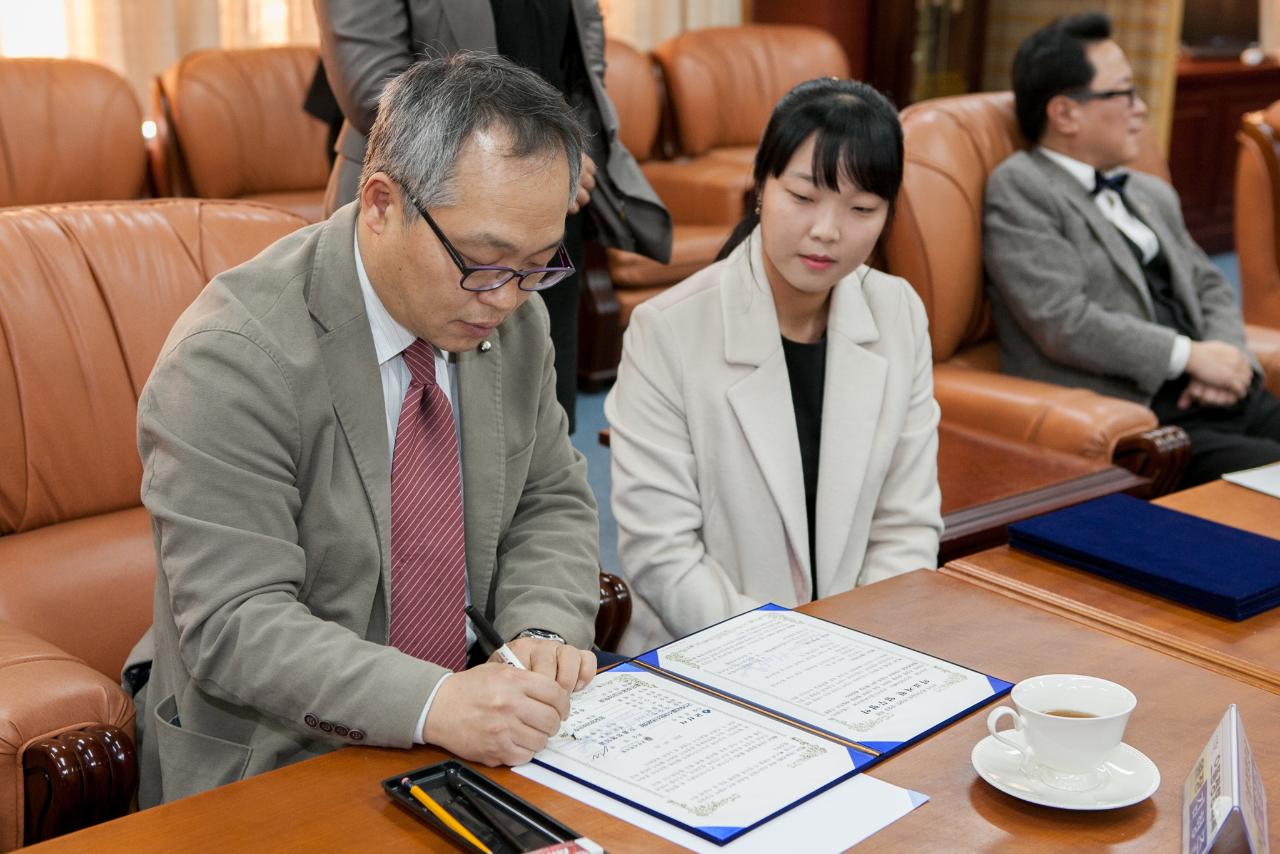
[[542, 634]]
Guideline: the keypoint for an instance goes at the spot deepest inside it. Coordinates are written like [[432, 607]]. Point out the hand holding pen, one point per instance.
[[560, 661]]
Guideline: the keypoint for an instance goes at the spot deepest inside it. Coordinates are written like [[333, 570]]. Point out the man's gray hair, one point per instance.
[[430, 110]]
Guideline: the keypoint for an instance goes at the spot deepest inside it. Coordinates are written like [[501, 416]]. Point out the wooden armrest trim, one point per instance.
[[1159, 454], [77, 779], [614, 613]]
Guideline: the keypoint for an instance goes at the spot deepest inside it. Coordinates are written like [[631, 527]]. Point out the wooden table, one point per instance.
[[334, 803], [1248, 650]]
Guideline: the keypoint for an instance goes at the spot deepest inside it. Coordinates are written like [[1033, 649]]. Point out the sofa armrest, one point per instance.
[[44, 694], [1264, 343], [1074, 420]]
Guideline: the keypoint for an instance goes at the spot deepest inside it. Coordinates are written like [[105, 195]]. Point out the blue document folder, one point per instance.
[[1212, 567]]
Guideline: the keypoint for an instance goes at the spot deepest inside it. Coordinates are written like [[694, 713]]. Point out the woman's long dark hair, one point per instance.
[[859, 139]]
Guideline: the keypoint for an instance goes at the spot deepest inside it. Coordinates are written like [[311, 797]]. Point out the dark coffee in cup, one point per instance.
[[1070, 713]]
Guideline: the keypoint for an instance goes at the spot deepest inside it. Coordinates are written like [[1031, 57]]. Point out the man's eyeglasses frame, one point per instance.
[[552, 275], [1083, 95]]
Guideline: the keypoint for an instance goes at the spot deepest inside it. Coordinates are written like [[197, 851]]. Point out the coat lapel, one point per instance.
[[761, 401], [852, 397], [1107, 234], [346, 346], [472, 24], [482, 442]]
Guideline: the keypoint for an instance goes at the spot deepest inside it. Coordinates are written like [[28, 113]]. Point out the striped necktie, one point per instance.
[[428, 560]]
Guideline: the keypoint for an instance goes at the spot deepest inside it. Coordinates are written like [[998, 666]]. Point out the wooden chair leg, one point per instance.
[[599, 333]]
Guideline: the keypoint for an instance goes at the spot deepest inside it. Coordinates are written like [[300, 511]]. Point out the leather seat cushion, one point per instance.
[[85, 586]]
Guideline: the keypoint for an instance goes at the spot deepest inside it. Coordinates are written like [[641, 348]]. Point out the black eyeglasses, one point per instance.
[[489, 277], [1083, 95]]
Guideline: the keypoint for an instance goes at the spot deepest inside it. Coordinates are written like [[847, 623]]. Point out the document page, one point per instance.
[[1264, 479], [708, 765], [852, 685]]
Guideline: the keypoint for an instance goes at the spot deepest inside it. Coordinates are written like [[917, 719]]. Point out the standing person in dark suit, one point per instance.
[[1094, 280], [365, 42]]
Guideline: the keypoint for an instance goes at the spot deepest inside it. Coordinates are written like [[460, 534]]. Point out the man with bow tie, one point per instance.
[[1094, 281]]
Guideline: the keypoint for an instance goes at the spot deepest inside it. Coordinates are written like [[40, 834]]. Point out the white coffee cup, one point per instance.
[[1069, 726]]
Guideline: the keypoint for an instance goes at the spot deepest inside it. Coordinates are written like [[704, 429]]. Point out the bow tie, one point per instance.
[[1115, 182]]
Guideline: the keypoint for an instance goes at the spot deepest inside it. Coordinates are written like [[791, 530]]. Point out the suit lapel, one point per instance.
[[761, 401], [472, 24], [483, 477], [852, 397], [346, 346], [1143, 208], [1113, 242]]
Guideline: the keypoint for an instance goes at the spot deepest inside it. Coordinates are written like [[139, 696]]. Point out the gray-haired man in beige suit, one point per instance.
[[356, 432]]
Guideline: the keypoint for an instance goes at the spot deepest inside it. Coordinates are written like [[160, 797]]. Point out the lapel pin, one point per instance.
[[485, 346]]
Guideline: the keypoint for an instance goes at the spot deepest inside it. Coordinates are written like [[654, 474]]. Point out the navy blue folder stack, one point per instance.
[[1222, 570]]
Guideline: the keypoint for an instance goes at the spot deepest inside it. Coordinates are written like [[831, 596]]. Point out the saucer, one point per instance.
[[1131, 777]]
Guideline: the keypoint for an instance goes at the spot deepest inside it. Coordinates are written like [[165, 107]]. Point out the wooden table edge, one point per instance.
[[1113, 624]]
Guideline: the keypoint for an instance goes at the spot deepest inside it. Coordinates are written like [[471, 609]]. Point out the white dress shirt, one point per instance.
[[390, 339], [1113, 208]]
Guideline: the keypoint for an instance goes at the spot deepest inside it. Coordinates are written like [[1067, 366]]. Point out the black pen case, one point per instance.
[[521, 819]]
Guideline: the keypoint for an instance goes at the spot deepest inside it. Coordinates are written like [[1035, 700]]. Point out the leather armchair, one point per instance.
[[935, 243], [616, 281], [230, 125], [1257, 229], [723, 84], [69, 131], [88, 293]]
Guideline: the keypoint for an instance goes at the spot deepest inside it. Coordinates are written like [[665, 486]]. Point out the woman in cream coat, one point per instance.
[[774, 432]]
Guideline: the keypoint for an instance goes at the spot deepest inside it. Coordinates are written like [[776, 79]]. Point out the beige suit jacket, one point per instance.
[[708, 487], [263, 436]]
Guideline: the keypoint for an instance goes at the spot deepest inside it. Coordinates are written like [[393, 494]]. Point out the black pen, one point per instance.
[[489, 635], [453, 779], [491, 638], [499, 803]]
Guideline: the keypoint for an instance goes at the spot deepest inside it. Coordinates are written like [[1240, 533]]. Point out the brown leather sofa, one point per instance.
[[616, 281], [69, 131], [87, 295], [1257, 215], [693, 122], [230, 125], [723, 84], [935, 242]]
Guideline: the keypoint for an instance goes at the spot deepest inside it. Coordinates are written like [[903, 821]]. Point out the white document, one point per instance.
[[838, 818], [721, 733], [1265, 479], [852, 685], [711, 766]]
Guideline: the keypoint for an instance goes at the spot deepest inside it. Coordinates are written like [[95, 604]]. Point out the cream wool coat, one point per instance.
[[708, 488]]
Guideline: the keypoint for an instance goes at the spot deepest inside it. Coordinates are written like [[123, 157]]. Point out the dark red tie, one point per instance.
[[428, 548]]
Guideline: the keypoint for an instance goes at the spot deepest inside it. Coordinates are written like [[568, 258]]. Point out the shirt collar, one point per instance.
[[389, 338], [1077, 169]]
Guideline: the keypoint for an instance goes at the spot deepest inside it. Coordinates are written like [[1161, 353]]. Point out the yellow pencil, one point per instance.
[[443, 814]]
